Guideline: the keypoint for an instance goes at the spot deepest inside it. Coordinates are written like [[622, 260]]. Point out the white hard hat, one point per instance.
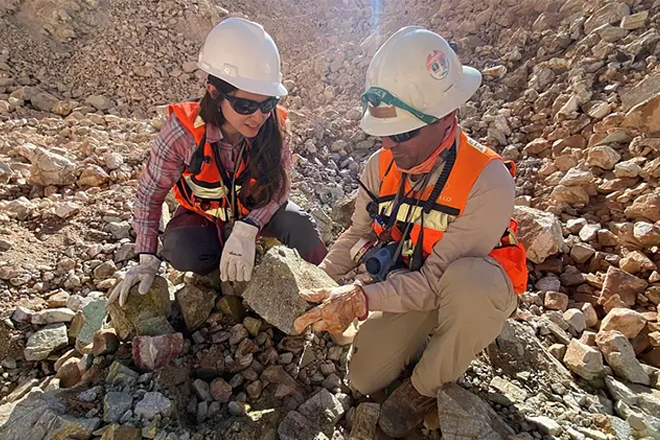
[[420, 69], [242, 53]]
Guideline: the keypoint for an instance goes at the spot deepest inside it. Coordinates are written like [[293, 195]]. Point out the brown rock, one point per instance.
[[588, 338], [636, 262], [69, 373], [221, 390], [626, 321], [590, 315], [654, 339], [603, 156], [614, 302], [196, 305], [537, 146], [540, 232], [652, 357], [556, 301], [93, 175], [627, 286], [620, 356], [645, 116], [105, 342], [121, 432], [365, 421], [646, 206]]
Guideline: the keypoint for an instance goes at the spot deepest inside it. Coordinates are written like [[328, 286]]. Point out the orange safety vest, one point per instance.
[[208, 191], [471, 158]]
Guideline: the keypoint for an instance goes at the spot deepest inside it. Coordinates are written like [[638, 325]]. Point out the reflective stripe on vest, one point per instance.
[[471, 159]]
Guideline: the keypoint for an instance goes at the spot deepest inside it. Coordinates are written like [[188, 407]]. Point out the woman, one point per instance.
[[226, 161]]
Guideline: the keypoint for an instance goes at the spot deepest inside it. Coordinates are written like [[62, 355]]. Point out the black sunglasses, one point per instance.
[[404, 137], [246, 107]]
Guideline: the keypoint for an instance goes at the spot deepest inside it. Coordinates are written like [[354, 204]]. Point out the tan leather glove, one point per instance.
[[339, 307]]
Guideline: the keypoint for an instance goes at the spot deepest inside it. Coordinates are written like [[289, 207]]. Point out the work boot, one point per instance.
[[403, 410]]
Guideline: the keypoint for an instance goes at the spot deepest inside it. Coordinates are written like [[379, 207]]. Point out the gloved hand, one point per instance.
[[339, 308], [144, 273], [237, 259]]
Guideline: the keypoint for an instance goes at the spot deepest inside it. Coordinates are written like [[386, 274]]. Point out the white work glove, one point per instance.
[[237, 259], [144, 273]]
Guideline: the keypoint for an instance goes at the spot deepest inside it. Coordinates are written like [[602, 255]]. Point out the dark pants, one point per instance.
[[192, 242]]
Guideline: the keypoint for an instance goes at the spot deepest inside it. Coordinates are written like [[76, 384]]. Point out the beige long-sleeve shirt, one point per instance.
[[473, 234]]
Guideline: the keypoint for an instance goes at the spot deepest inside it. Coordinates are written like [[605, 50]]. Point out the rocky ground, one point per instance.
[[571, 93]]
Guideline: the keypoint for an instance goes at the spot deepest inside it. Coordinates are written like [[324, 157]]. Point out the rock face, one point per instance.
[[273, 290], [540, 232], [44, 416], [464, 415], [152, 352], [143, 314]]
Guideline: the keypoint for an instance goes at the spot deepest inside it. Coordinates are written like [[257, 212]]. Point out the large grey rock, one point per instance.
[[45, 341], [152, 404], [43, 416], [638, 405], [465, 416], [274, 289], [365, 421], [518, 349], [323, 409], [44, 101], [143, 314], [115, 405], [539, 231], [296, 427]]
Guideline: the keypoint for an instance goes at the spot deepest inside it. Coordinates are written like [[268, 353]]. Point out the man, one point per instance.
[[440, 204]]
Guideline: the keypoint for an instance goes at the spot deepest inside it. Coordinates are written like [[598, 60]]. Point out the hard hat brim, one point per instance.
[[453, 99], [246, 84]]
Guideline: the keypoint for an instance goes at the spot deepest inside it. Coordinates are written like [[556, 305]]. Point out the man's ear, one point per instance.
[[210, 88]]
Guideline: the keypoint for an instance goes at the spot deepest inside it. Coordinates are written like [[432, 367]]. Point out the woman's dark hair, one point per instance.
[[265, 165]]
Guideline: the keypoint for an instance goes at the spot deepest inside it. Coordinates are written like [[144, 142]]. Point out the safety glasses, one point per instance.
[[375, 96], [246, 107]]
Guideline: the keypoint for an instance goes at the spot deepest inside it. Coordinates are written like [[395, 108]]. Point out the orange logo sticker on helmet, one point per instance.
[[437, 64]]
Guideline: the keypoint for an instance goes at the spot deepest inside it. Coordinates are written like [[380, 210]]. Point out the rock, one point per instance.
[[610, 13], [365, 421], [93, 175], [105, 342], [202, 390], [602, 156], [252, 325], [323, 409], [646, 233], [65, 107], [105, 270], [93, 316], [511, 392], [113, 160], [620, 355], [45, 416], [231, 306], [558, 351], [626, 321], [546, 425], [22, 315], [518, 349], [51, 169], [464, 415], [120, 374], [575, 319], [45, 341], [152, 352], [52, 316], [139, 312], [221, 390], [296, 427], [115, 405], [44, 101], [618, 282], [583, 360], [539, 231], [570, 194], [273, 292], [152, 404], [196, 305], [590, 315], [556, 301], [645, 207], [633, 395], [276, 374], [635, 21], [100, 102], [121, 432], [581, 252], [65, 210], [236, 409], [644, 116], [69, 373], [636, 262], [342, 211], [119, 230]]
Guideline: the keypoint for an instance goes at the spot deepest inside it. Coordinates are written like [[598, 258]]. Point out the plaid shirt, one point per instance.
[[169, 158]]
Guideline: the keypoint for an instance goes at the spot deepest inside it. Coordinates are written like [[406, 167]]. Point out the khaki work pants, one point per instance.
[[475, 299]]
